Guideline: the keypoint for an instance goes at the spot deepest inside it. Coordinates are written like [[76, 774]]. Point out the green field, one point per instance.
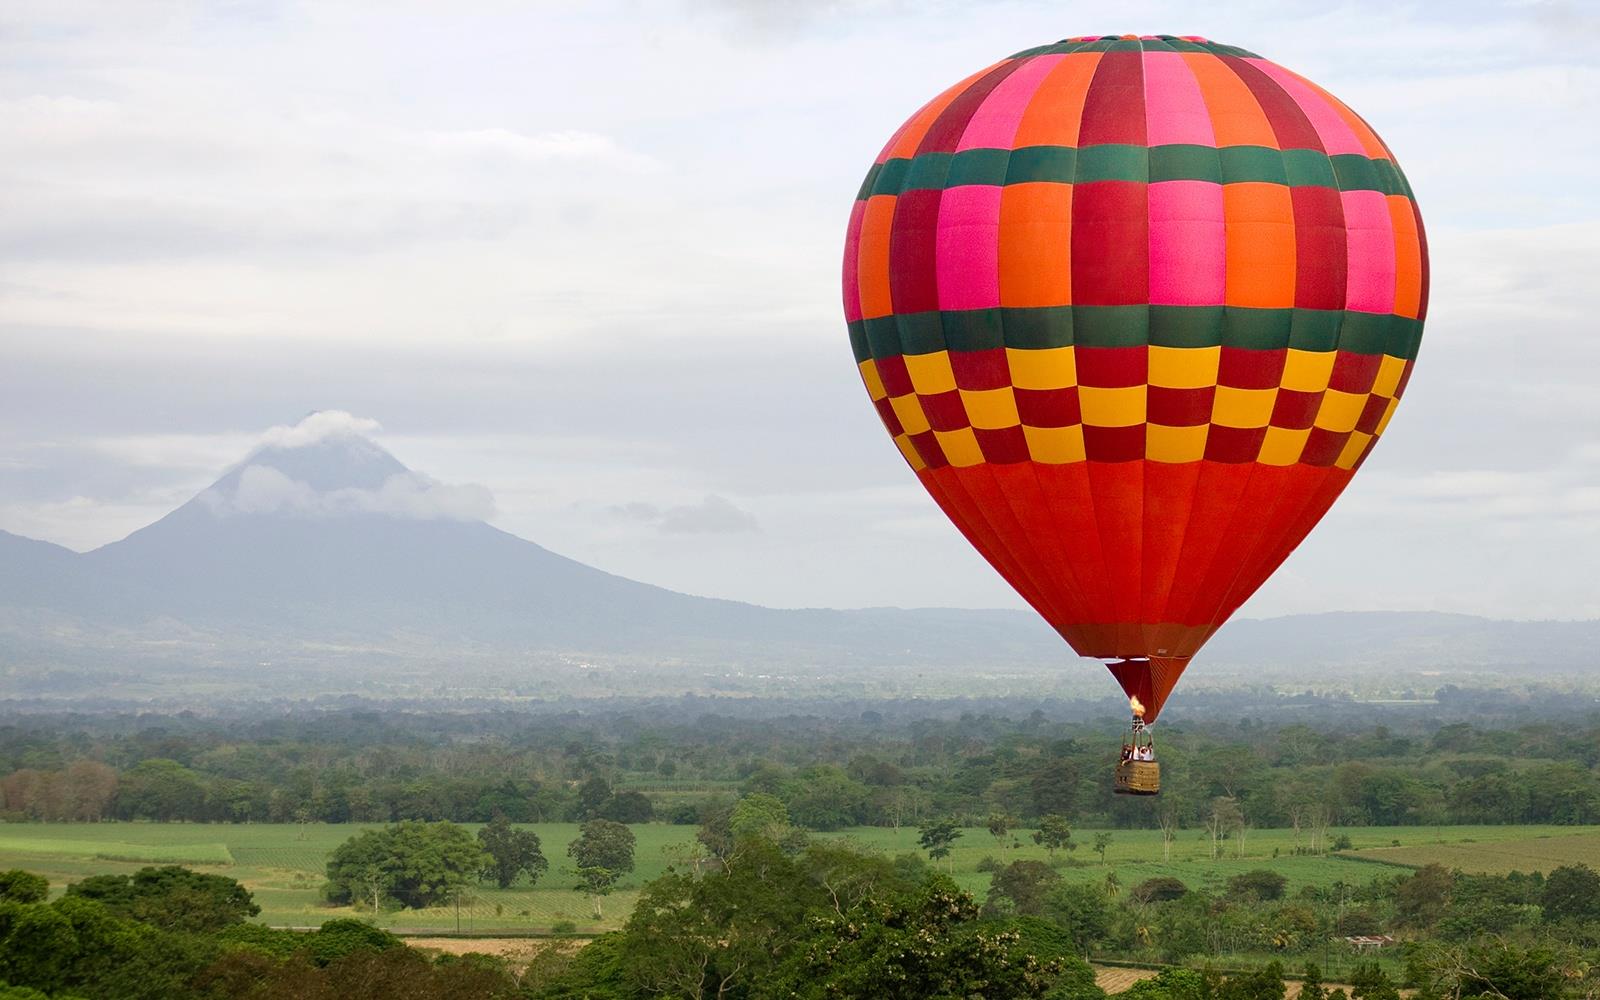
[[1528, 854], [282, 863]]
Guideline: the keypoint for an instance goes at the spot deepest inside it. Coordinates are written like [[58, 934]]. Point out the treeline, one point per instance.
[[829, 773]]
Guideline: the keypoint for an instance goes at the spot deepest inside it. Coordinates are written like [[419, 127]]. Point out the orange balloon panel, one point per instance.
[[1135, 310]]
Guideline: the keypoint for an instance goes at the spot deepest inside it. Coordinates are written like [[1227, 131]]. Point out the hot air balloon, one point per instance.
[[1135, 309]]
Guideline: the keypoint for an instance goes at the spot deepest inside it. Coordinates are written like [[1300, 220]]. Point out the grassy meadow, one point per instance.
[[283, 863]]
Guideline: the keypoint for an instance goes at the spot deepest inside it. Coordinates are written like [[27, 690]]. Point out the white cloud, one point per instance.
[[1561, 499], [319, 426], [573, 145], [712, 515], [261, 489]]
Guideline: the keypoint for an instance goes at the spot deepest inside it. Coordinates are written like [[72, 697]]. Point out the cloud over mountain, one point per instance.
[[318, 426], [261, 489], [324, 466]]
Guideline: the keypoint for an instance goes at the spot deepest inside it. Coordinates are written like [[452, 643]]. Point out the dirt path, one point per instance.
[[1115, 980], [518, 951]]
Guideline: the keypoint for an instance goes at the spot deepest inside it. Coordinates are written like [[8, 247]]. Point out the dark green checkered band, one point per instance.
[[1141, 164], [1135, 326]]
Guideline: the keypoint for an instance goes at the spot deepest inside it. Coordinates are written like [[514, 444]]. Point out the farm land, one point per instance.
[[282, 864]]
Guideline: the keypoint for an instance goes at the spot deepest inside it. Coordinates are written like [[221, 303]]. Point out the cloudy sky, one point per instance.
[[584, 257]]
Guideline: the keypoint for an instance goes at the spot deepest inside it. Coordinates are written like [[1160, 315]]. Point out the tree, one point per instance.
[[628, 807], [759, 816], [1170, 984], [1054, 833], [1021, 887], [342, 936], [1225, 817], [604, 853], [1370, 982], [1420, 900], [592, 795], [1160, 889], [76, 947], [1311, 983], [1319, 817], [603, 843], [597, 882], [1168, 818], [87, 789], [1498, 968], [418, 864], [937, 837], [160, 789], [19, 886], [826, 798], [704, 937], [1082, 911], [910, 947], [1258, 984], [716, 829], [1260, 885], [999, 825], [1054, 784], [1571, 892], [171, 897], [511, 853], [1102, 843]]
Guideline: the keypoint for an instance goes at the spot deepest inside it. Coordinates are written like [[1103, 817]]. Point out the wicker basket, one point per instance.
[[1137, 777]]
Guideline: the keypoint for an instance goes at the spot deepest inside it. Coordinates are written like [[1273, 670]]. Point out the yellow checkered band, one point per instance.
[[1059, 405]]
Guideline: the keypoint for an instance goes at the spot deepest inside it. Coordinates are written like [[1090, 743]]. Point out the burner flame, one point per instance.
[[1137, 705]]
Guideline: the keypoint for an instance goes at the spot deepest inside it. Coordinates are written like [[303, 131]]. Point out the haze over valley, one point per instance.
[[320, 564]]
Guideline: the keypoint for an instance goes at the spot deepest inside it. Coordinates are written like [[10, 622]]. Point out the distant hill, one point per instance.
[[333, 543], [1414, 638], [337, 540]]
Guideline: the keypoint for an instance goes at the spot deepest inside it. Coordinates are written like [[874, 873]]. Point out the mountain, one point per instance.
[[335, 540], [323, 551]]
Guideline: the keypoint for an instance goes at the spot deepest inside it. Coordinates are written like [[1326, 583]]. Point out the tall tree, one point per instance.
[[602, 843], [19, 886], [1021, 888], [937, 837], [1102, 843], [1572, 892], [604, 853], [511, 853], [910, 947], [1054, 834], [999, 825], [724, 933], [419, 864], [1421, 899], [592, 796]]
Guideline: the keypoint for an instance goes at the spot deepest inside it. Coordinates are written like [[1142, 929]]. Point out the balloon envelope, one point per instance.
[[1135, 309]]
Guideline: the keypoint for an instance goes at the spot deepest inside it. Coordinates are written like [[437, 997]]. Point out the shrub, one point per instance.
[[1260, 884], [23, 887], [338, 938], [1158, 890]]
